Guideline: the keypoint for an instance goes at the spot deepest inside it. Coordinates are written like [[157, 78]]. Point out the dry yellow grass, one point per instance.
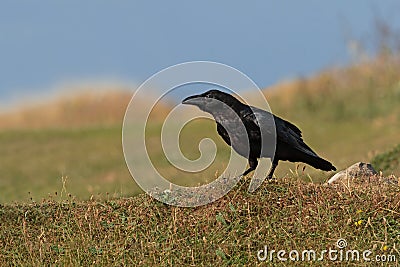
[[346, 114], [379, 73], [140, 231], [85, 107]]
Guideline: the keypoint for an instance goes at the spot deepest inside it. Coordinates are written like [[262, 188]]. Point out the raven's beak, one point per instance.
[[194, 100]]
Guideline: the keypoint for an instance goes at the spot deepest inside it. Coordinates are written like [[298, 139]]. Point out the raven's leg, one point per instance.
[[253, 165], [271, 172]]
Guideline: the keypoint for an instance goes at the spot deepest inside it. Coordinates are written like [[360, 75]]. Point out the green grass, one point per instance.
[[288, 214], [388, 161], [36, 160], [346, 116], [68, 198]]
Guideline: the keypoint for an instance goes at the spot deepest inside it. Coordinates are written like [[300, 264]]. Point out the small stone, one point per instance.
[[359, 169]]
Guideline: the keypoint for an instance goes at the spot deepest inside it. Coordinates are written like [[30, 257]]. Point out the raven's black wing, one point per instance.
[[286, 132], [290, 143], [295, 149]]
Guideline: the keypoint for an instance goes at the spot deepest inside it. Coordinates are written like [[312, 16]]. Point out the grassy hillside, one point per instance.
[[347, 115], [34, 162], [88, 106], [388, 161], [62, 163], [78, 139], [140, 231]]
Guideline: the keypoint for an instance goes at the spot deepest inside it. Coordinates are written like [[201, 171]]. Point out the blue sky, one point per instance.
[[47, 43]]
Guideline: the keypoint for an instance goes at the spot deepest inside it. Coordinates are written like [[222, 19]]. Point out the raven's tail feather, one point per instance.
[[320, 163]]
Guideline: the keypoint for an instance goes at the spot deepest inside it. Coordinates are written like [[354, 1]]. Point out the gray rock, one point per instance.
[[359, 169]]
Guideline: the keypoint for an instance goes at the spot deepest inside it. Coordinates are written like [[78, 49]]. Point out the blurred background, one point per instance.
[[69, 68]]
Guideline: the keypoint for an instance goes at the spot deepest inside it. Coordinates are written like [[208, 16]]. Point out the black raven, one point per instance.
[[289, 145]]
